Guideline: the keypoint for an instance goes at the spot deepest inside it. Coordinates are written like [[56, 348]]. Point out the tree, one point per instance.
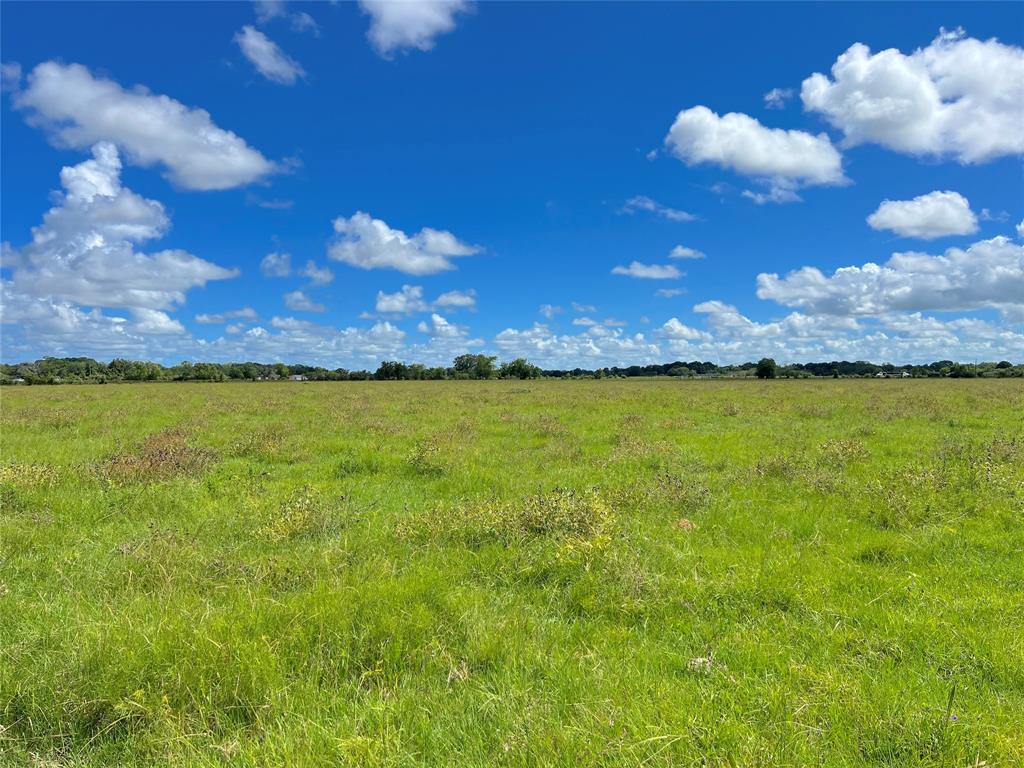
[[766, 368], [519, 368], [475, 366], [391, 370]]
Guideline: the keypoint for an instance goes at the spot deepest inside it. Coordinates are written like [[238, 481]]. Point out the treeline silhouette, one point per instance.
[[85, 370]]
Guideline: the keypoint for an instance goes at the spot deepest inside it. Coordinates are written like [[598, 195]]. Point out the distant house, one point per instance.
[[297, 377], [893, 375]]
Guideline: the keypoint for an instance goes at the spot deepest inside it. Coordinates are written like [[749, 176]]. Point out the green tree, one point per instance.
[[766, 368], [475, 366], [520, 368]]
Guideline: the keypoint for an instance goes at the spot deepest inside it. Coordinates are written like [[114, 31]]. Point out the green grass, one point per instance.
[[584, 573]]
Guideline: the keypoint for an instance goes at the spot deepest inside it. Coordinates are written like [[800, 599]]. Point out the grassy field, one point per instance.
[[574, 573]]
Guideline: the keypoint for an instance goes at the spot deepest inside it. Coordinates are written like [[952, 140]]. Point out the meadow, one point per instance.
[[543, 573]]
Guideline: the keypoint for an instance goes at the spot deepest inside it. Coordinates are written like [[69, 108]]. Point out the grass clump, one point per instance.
[[162, 456], [558, 515]]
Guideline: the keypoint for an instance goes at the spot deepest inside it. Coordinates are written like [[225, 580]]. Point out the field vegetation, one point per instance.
[[513, 573]]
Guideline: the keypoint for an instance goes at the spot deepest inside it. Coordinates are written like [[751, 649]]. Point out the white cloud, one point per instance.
[[10, 76], [988, 274], [154, 322], [779, 191], [407, 301], [649, 271], [584, 321], [1020, 229], [548, 311], [303, 22], [79, 110], [300, 302], [957, 97], [440, 327], [276, 265], [269, 9], [269, 60], [740, 143], [669, 293], [403, 24], [369, 243], [776, 98], [936, 214], [84, 250], [300, 21], [644, 203], [673, 329], [551, 350], [246, 313], [317, 275], [456, 299], [290, 323], [41, 325], [577, 307], [682, 252]]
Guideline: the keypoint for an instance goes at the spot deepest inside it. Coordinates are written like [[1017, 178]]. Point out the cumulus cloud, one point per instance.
[[649, 271], [644, 203], [936, 214], [896, 337], [78, 110], [368, 243], [245, 313], [300, 302], [84, 253], [440, 327], [456, 299], [988, 274], [682, 252], [43, 325], [1020, 229], [407, 301], [548, 311], [397, 25], [268, 58], [276, 265], [604, 347], [776, 98], [740, 143], [674, 329], [957, 97], [317, 275]]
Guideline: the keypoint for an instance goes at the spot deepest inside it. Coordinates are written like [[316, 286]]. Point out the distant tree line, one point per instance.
[[85, 370]]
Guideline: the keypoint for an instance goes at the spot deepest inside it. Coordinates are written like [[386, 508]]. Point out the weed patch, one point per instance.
[[162, 456]]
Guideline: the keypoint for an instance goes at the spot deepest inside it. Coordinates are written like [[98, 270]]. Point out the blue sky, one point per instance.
[[579, 183]]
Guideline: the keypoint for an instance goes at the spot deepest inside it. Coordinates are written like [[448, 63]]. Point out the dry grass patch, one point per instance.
[[162, 456]]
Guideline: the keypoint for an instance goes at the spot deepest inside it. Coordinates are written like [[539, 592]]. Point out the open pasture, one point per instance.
[[658, 573]]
